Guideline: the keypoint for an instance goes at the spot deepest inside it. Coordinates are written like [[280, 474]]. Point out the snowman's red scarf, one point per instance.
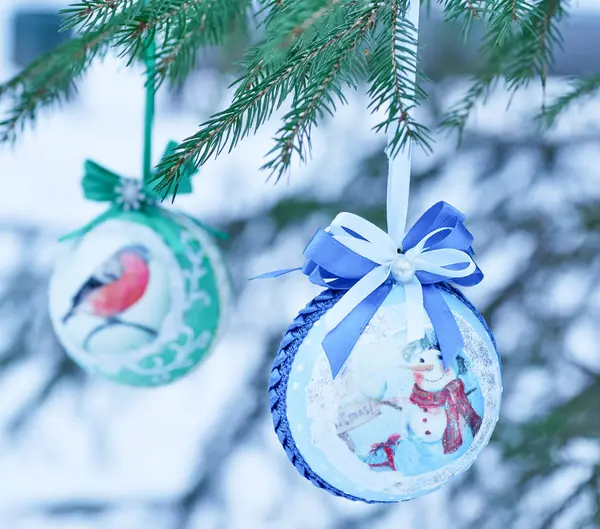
[[454, 399]]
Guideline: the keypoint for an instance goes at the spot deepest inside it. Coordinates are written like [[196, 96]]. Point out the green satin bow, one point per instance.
[[101, 185]]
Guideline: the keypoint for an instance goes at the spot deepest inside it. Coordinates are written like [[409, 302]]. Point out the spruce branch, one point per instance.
[[467, 10], [323, 85], [519, 58], [252, 106], [308, 54], [505, 18], [289, 21], [179, 27], [499, 17], [294, 135], [49, 80], [206, 23], [393, 84], [531, 53], [90, 13], [457, 116], [581, 89], [302, 21], [250, 110]]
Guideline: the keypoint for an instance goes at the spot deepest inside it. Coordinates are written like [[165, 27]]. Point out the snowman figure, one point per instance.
[[440, 409]]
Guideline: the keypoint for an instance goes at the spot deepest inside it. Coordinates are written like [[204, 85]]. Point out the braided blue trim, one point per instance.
[[282, 366]]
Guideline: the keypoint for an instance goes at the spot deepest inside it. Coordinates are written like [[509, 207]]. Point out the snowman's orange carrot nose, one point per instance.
[[420, 367]]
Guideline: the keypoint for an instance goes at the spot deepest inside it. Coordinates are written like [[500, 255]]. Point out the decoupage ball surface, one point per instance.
[[395, 423], [138, 299]]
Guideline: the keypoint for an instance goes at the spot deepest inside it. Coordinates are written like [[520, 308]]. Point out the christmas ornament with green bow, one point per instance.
[[140, 293]]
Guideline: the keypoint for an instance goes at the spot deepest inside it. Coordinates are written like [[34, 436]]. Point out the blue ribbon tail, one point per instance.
[[340, 341], [276, 273], [446, 328]]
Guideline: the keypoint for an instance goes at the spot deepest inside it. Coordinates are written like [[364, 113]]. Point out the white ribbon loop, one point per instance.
[[438, 261], [362, 227], [378, 247]]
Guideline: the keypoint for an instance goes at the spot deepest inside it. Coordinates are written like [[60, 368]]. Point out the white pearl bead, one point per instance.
[[402, 269]]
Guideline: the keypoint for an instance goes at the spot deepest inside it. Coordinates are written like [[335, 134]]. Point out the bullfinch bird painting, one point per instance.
[[117, 285]]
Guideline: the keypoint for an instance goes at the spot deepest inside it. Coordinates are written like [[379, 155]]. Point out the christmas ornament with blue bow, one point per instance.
[[140, 293], [388, 383], [355, 256]]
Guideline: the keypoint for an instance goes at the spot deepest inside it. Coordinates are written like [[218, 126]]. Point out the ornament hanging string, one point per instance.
[[150, 61], [126, 194], [398, 192], [355, 256], [399, 166]]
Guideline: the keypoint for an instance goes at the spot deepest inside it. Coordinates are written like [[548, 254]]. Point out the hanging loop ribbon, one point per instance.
[[356, 256]]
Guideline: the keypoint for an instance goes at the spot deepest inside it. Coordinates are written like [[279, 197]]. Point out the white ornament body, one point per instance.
[[159, 333]]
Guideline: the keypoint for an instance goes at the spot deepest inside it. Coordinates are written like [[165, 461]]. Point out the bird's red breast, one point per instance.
[[121, 294]]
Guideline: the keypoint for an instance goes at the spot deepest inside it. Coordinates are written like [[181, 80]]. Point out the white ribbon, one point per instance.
[[398, 185], [382, 248]]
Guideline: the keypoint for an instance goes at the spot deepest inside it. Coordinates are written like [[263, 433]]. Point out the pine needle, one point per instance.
[[309, 52], [393, 65], [517, 53], [49, 80], [309, 73], [581, 90]]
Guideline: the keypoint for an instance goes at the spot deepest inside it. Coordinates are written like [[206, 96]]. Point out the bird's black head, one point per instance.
[[137, 249]]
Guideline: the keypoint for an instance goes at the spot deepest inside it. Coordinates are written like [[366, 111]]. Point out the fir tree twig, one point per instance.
[[204, 23], [289, 21], [309, 53], [253, 106], [184, 26], [518, 55], [318, 95], [581, 89], [393, 78], [49, 79], [90, 13], [179, 27], [467, 10], [301, 22]]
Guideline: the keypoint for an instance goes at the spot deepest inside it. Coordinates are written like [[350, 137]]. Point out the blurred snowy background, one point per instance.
[[81, 453]]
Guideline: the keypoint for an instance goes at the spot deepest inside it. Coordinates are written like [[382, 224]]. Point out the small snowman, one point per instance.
[[439, 410]]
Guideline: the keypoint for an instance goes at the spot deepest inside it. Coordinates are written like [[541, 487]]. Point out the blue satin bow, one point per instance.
[[354, 255]]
